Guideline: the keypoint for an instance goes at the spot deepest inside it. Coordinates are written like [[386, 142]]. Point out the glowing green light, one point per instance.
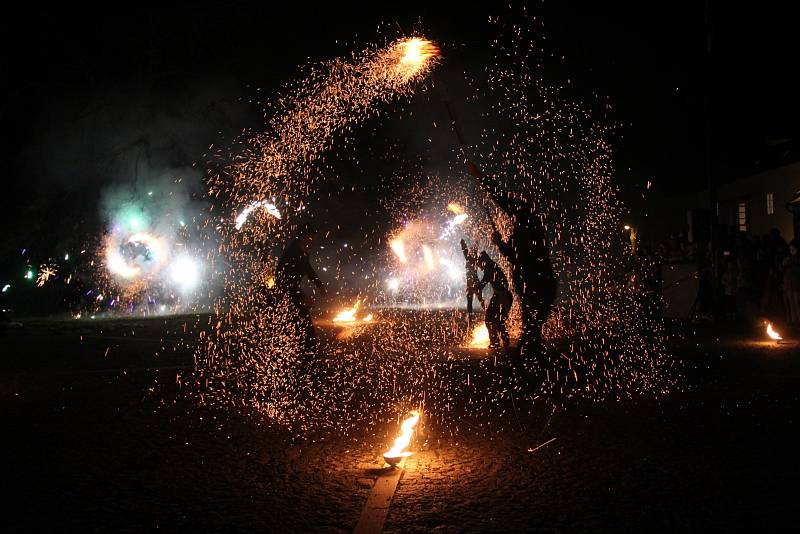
[[29, 275], [135, 222]]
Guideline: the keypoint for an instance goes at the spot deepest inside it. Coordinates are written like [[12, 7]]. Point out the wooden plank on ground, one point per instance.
[[373, 515]]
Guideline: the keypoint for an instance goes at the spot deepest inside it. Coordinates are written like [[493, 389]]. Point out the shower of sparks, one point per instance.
[[601, 340], [455, 208], [451, 224], [425, 267], [46, 272]]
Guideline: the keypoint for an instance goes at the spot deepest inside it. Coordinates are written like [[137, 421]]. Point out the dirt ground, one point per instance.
[[94, 442]]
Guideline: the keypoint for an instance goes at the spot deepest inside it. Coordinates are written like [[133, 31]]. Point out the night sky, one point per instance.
[[63, 65]]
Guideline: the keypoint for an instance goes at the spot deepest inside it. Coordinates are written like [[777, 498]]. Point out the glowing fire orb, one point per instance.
[[414, 55], [416, 51], [772, 333], [397, 453], [480, 337]]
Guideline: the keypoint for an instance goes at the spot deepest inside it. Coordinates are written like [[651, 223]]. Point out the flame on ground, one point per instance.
[[347, 315], [394, 455], [480, 337], [772, 333]]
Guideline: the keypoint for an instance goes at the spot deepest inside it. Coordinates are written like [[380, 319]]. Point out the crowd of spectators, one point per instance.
[[757, 275]]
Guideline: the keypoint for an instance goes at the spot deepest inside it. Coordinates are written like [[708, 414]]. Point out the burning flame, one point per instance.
[[347, 315], [415, 55], [772, 333], [480, 337], [394, 455]]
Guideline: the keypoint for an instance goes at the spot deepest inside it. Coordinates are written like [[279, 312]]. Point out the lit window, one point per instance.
[[770, 204], [743, 216]]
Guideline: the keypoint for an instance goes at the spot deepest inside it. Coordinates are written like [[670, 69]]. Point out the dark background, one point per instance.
[[80, 85]]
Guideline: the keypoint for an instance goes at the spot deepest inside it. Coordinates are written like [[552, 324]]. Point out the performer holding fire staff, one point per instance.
[[473, 284], [293, 266], [529, 255]]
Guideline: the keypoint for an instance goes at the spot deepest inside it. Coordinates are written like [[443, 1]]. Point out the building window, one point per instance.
[[742, 207], [770, 204]]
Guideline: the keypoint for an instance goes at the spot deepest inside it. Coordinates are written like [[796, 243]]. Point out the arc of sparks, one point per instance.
[[268, 206]]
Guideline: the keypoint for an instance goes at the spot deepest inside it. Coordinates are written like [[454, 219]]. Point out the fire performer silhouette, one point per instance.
[[500, 304], [473, 284], [529, 255], [293, 266]]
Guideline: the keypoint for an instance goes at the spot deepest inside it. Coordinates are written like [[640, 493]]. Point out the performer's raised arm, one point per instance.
[[491, 187]]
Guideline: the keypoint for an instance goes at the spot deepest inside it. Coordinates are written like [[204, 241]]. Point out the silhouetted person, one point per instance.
[[293, 266], [791, 283], [500, 304], [529, 255], [473, 284]]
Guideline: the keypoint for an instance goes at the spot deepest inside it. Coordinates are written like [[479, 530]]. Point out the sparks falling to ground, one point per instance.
[[602, 341]]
